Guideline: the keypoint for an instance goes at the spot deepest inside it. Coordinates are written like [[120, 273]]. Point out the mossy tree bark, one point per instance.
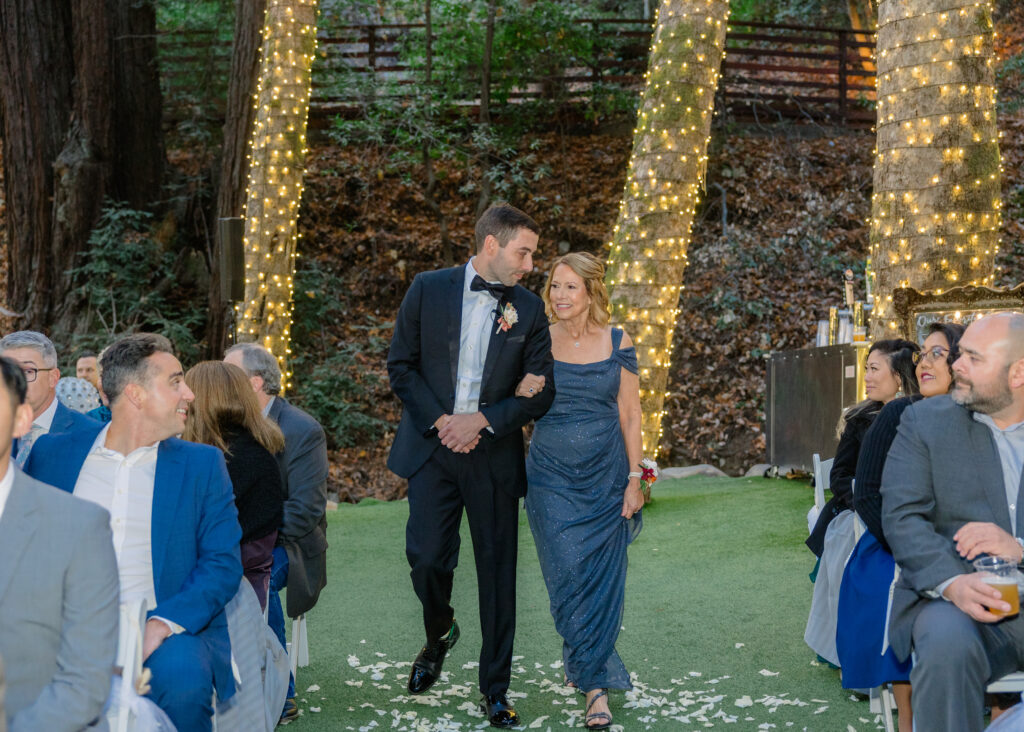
[[277, 166], [666, 175], [935, 205]]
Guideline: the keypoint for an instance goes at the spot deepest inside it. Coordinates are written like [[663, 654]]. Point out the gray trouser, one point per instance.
[[955, 658]]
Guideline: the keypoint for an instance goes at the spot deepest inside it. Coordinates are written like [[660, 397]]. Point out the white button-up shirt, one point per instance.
[[123, 484], [45, 420], [478, 310]]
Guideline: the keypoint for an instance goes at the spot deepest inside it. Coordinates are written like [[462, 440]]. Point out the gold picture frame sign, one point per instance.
[[915, 311]]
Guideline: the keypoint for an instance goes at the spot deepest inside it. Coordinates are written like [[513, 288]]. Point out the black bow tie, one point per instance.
[[479, 283]]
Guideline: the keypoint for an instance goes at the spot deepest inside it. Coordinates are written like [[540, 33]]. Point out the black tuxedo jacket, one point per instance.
[[423, 364]]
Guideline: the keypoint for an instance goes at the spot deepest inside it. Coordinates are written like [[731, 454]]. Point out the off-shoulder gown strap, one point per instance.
[[626, 357]]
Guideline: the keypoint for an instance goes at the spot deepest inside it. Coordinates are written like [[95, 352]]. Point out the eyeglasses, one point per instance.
[[932, 355], [31, 372]]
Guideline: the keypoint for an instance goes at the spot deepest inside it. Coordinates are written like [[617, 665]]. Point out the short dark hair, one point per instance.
[[951, 332], [124, 362], [502, 221], [86, 354], [14, 380]]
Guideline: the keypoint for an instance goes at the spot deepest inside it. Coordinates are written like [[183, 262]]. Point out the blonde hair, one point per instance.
[[225, 399], [591, 270]]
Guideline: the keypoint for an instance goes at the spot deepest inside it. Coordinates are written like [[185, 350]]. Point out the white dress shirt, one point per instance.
[[5, 487], [45, 420], [478, 310], [123, 484]]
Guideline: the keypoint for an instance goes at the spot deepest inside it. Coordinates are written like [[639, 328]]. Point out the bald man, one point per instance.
[[951, 493]]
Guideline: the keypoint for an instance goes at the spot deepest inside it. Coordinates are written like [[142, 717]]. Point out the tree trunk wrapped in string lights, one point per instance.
[[935, 206], [666, 175], [276, 169]]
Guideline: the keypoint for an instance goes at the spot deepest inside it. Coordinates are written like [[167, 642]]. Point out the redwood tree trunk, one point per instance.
[[234, 162], [78, 96], [665, 179]]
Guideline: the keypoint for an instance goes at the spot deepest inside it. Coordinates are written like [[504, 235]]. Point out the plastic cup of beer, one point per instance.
[[1001, 574]]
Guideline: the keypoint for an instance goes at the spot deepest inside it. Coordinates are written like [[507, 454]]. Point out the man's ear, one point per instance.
[[134, 394], [491, 245], [22, 420], [54, 375], [1016, 375], [257, 383]]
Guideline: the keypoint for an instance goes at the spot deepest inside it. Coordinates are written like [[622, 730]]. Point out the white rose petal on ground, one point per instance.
[[538, 722], [766, 672], [315, 710], [314, 687], [740, 645], [744, 701], [353, 661]]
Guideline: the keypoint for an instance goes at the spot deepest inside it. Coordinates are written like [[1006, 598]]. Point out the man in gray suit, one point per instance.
[[58, 590], [950, 493], [300, 559]]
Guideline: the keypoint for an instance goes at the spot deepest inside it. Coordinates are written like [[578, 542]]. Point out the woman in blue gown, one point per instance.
[[584, 497]]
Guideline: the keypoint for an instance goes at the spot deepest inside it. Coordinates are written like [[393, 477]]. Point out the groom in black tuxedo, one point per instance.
[[464, 338]]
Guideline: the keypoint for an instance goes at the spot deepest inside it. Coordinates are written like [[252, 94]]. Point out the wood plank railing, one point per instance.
[[770, 71]]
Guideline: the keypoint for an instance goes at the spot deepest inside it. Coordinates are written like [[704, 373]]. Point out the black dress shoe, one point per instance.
[[499, 711], [427, 667]]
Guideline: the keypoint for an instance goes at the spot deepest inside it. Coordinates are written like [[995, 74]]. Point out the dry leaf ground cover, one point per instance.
[[713, 629]]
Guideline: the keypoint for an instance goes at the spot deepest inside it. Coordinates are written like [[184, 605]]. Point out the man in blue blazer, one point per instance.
[[178, 496], [38, 359], [464, 338]]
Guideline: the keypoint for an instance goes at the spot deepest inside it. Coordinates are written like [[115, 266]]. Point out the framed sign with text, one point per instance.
[[915, 311]]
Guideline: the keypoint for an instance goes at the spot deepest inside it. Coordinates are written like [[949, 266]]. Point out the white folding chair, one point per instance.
[[1006, 685], [822, 468], [129, 659], [298, 648]]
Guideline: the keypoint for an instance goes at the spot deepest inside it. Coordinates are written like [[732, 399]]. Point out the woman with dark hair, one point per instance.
[[863, 652], [889, 373], [225, 414]]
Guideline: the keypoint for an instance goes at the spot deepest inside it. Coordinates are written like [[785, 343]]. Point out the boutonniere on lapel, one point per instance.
[[507, 317]]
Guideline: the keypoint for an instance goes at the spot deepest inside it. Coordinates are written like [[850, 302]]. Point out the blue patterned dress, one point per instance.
[[577, 471]]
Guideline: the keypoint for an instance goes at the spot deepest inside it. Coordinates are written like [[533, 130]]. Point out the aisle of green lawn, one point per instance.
[[717, 599]]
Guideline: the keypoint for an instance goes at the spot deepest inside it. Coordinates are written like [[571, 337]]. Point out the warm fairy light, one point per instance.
[[935, 208], [277, 152], [666, 176]]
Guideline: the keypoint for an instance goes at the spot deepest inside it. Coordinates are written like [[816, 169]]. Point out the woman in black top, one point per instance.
[[864, 594], [889, 374], [225, 414]]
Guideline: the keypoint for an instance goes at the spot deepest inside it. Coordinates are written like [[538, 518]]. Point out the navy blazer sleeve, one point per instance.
[[404, 361]]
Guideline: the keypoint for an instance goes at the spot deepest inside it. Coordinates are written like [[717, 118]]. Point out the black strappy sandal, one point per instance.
[[588, 716]]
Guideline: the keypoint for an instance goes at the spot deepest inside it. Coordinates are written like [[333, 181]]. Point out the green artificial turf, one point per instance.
[[717, 600]]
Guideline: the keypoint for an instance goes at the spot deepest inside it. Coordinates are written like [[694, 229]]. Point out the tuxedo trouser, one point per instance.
[[182, 683], [438, 493], [955, 658]]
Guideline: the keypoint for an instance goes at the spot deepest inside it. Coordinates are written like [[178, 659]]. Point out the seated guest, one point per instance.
[[225, 414], [300, 557], [58, 590], [950, 493], [87, 367], [864, 655], [889, 373], [173, 518], [38, 359]]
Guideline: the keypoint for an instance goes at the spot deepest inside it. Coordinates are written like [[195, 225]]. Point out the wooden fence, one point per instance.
[[770, 72]]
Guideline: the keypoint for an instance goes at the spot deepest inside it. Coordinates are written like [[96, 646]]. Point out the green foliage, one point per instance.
[[127, 282], [336, 381]]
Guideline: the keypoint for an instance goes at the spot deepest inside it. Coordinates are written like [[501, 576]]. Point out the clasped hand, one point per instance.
[[530, 386], [460, 432]]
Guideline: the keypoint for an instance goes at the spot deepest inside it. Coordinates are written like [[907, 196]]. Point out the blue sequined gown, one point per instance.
[[577, 471]]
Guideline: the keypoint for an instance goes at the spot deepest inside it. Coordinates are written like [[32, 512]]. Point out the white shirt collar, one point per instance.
[[5, 486], [45, 420], [99, 448], [991, 423], [470, 274]]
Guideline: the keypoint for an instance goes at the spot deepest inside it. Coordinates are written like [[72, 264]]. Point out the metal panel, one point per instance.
[[807, 392]]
